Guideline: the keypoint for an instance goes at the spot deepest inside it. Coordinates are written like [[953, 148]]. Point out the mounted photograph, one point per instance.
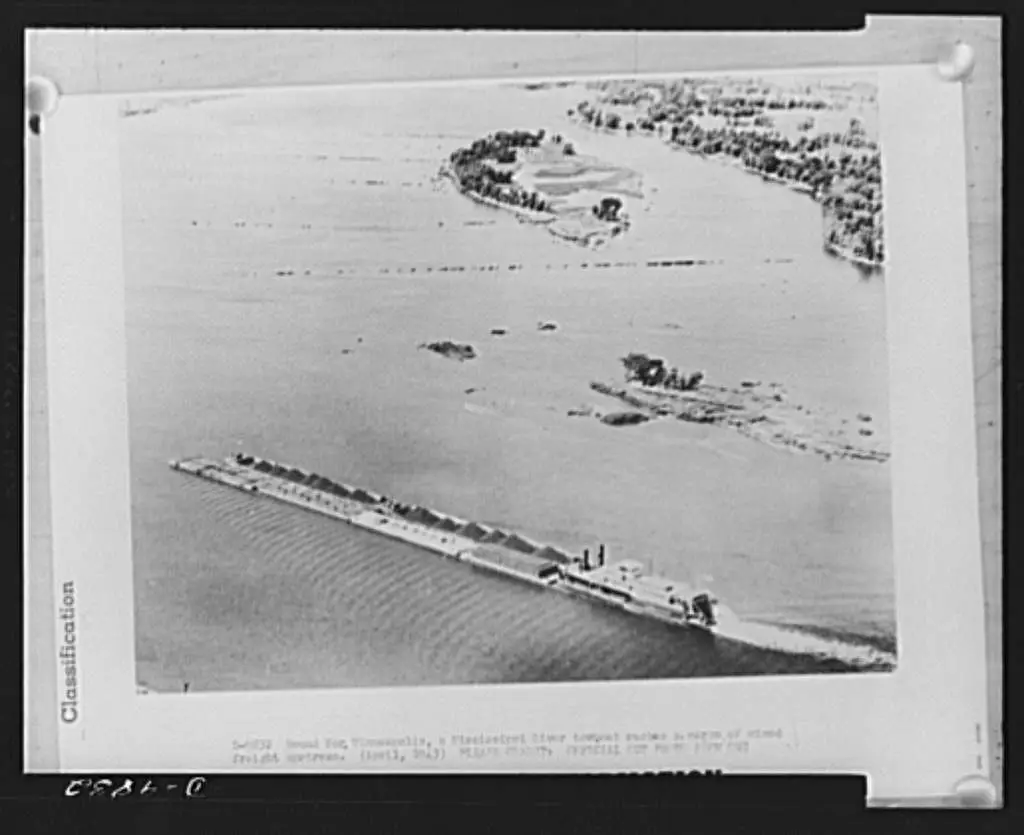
[[508, 382]]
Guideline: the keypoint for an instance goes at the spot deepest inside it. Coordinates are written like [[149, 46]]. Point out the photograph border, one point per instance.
[[947, 261]]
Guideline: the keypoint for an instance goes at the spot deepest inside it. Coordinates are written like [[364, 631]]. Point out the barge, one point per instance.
[[623, 585]]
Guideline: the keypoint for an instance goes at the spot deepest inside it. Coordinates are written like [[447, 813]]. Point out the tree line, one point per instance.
[[475, 168], [842, 170]]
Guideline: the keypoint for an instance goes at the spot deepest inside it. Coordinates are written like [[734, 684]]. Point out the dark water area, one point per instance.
[[264, 235], [284, 592]]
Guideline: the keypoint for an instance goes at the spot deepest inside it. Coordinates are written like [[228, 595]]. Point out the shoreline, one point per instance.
[[844, 253], [522, 214], [589, 226], [592, 239], [768, 419]]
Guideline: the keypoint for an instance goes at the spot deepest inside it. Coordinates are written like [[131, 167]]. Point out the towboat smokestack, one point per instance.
[[586, 559], [600, 555]]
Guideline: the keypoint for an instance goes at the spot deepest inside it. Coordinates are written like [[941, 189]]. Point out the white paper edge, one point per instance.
[[915, 732]]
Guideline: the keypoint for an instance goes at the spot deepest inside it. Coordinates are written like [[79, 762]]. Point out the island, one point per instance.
[[803, 139], [625, 418], [451, 350], [543, 180], [761, 412]]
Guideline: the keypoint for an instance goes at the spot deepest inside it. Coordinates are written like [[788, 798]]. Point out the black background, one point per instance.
[[628, 804]]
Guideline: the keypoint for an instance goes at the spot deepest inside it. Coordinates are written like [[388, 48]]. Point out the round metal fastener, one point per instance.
[[41, 96], [957, 62]]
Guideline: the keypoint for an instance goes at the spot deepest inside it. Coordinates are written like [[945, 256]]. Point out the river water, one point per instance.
[[319, 367]]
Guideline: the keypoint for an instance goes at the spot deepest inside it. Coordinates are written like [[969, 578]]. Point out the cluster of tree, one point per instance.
[[680, 104], [745, 111], [627, 96], [853, 225], [505, 140], [862, 239], [600, 119], [841, 169], [652, 371], [735, 112], [853, 208], [856, 136], [793, 104], [769, 153], [648, 124], [508, 194], [608, 209], [475, 168], [849, 185], [757, 102]]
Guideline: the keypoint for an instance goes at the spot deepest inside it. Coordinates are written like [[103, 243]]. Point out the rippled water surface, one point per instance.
[[283, 258]]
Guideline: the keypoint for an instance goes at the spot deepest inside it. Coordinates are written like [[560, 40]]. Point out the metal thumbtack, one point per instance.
[[41, 97], [976, 792], [957, 62]]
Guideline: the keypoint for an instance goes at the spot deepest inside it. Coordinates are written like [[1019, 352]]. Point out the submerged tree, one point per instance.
[[608, 209]]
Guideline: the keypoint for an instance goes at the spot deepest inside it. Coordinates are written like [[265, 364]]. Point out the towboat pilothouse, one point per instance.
[[626, 585]]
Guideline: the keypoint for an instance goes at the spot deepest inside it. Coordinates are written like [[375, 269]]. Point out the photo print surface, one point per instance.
[[579, 380]]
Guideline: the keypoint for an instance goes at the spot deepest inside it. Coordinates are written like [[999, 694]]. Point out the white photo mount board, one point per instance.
[[83, 63]]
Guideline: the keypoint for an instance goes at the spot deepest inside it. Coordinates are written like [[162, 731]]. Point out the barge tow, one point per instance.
[[624, 585]]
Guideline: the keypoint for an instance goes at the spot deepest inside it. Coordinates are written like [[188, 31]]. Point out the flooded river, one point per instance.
[[283, 261]]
